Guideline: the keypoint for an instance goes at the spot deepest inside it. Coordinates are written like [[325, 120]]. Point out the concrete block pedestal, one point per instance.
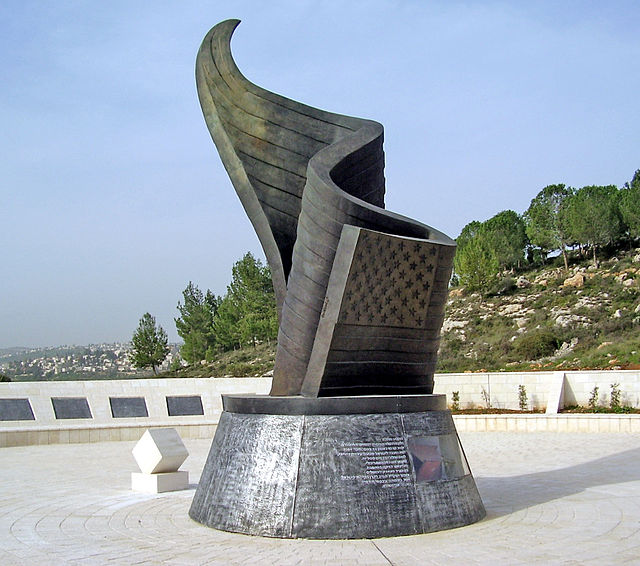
[[336, 468], [159, 483], [159, 454]]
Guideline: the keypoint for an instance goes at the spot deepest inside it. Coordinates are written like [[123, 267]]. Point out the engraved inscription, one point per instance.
[[122, 407], [71, 408], [178, 406], [16, 410], [383, 462]]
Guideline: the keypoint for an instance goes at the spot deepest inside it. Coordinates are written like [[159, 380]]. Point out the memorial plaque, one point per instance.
[[382, 462], [361, 459], [16, 410], [71, 408], [122, 407], [178, 406]]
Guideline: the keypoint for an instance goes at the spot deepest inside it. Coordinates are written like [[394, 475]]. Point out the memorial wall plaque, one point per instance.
[[122, 407], [179, 406], [16, 410], [71, 408]]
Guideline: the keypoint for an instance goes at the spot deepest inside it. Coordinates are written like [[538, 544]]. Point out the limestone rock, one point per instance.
[[621, 277], [511, 308], [576, 280], [520, 322], [565, 320], [449, 325]]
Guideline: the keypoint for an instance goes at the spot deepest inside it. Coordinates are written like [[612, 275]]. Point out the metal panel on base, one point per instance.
[[318, 474]]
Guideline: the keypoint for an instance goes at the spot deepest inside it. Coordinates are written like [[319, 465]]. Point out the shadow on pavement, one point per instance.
[[504, 495]]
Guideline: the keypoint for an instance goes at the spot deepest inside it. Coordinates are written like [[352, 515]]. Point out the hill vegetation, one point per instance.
[[557, 287], [548, 318], [510, 306], [538, 318], [592, 220]]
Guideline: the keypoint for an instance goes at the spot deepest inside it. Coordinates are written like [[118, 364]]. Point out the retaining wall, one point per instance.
[[545, 389], [95, 411]]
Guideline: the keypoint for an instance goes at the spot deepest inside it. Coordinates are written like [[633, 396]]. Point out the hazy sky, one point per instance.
[[112, 194]]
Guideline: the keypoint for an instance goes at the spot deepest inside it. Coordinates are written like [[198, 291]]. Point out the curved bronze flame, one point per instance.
[[360, 290]]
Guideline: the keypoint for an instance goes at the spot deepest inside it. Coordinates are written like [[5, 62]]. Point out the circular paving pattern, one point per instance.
[[550, 498]]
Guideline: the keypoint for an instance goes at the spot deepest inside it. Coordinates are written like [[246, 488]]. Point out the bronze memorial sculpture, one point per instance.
[[351, 442]]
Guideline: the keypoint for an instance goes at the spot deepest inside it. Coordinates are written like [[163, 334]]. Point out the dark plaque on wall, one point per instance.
[[179, 406], [122, 407], [71, 408], [16, 410]]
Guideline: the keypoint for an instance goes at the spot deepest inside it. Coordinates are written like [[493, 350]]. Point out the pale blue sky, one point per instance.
[[113, 196]]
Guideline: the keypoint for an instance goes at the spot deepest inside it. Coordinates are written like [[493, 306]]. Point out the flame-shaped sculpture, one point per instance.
[[360, 290]]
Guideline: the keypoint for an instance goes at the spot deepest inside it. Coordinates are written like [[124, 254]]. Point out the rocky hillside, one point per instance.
[[537, 319], [548, 319]]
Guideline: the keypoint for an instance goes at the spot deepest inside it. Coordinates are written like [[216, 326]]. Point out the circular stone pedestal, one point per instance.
[[336, 468]]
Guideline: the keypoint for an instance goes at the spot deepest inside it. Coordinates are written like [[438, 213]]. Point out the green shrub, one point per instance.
[[523, 400], [537, 344], [615, 396], [503, 286]]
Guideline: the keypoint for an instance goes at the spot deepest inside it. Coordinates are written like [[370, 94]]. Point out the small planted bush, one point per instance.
[[614, 403], [455, 401], [523, 400], [486, 398]]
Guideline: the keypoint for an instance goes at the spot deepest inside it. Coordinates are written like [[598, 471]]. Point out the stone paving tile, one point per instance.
[[551, 498]]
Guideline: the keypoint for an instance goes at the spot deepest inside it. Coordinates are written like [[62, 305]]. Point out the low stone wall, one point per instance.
[[97, 411], [50, 412], [594, 423], [545, 390]]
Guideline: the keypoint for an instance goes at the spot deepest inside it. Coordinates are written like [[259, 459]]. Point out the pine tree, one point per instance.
[[149, 344], [506, 235], [247, 313], [544, 228], [476, 264], [195, 324], [630, 205], [592, 216]]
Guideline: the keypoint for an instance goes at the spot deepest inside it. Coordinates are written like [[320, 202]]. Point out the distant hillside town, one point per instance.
[[95, 361]]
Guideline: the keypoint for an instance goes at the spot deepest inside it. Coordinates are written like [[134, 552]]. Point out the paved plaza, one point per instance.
[[551, 499]]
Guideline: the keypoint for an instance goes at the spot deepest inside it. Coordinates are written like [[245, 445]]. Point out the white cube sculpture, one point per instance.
[[159, 454]]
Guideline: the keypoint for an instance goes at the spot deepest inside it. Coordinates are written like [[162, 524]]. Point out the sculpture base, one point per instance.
[[336, 468]]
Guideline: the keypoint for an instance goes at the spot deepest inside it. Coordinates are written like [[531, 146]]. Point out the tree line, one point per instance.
[[558, 219], [210, 324]]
